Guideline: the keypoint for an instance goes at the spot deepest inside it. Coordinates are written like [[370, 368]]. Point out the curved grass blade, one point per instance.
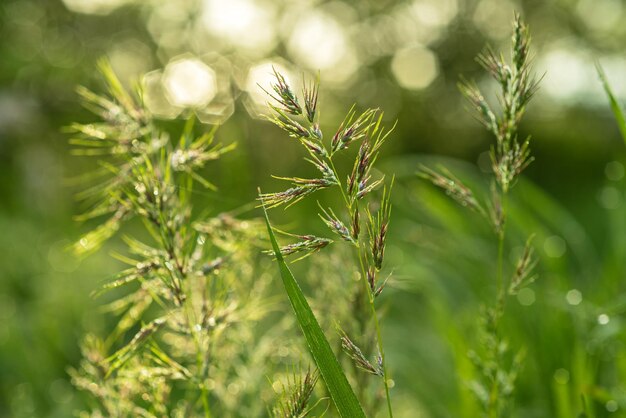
[[340, 391], [615, 107]]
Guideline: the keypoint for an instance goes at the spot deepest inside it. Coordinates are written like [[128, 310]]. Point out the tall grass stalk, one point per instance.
[[301, 123], [509, 157]]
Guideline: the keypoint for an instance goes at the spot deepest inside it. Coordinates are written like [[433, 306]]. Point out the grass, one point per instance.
[[181, 312], [509, 157], [336, 382], [198, 315]]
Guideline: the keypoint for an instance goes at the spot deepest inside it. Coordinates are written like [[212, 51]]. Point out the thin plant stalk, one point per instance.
[[509, 157], [370, 298]]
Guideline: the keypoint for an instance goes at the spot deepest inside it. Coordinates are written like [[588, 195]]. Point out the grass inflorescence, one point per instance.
[[356, 223], [185, 304], [509, 157]]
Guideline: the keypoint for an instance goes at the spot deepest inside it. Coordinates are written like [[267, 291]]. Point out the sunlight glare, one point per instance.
[[97, 7], [189, 82], [319, 42], [244, 23]]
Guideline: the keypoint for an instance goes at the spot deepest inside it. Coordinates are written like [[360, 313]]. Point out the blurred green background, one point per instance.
[[402, 56]]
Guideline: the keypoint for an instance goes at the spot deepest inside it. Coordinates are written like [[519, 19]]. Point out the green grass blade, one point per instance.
[[340, 391], [615, 107]]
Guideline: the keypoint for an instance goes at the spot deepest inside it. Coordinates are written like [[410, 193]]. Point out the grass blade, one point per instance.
[[615, 107], [340, 391]]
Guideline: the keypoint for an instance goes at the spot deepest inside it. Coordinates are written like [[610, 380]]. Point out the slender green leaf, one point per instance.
[[340, 391], [615, 107]]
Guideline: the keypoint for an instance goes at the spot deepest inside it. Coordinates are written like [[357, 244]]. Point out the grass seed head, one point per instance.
[[517, 86], [284, 95], [453, 187], [332, 221], [295, 397], [310, 94], [523, 275], [355, 353]]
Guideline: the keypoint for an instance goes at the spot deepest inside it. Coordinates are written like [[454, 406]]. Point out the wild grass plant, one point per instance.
[[194, 327], [362, 224], [509, 157], [187, 305]]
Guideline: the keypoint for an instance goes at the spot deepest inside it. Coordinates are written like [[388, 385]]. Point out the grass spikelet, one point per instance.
[[523, 275], [358, 357], [310, 93], [308, 245], [296, 395], [335, 225], [453, 187], [352, 129]]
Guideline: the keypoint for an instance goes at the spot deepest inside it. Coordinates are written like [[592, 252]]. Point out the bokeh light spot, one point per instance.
[[554, 246], [261, 76], [610, 197], [414, 68], [244, 23], [561, 376], [319, 42], [155, 96], [574, 297], [603, 319], [614, 170], [611, 406], [189, 83], [526, 296], [100, 7], [492, 17]]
